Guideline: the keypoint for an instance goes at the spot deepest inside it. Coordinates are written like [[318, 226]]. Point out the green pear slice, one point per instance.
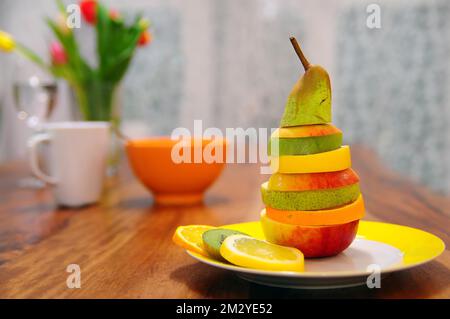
[[310, 99], [305, 145], [326, 198]]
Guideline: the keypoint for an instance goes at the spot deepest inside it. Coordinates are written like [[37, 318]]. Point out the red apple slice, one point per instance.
[[312, 181], [312, 241]]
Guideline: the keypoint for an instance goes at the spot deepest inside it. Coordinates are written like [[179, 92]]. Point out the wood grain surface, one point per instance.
[[124, 248]]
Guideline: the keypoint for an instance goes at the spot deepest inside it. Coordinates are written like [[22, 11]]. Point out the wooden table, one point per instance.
[[124, 247]]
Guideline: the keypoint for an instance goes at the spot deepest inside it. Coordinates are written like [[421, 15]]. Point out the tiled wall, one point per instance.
[[230, 63], [394, 86]]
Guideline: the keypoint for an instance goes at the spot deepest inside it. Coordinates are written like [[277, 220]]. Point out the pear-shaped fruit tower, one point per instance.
[[312, 200]]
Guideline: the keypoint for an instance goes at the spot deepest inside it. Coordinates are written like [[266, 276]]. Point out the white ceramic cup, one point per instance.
[[77, 160]]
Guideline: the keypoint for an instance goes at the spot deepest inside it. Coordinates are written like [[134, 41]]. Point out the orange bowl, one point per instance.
[[175, 183]]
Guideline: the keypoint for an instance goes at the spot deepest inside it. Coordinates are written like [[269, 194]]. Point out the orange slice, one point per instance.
[[190, 237], [335, 216]]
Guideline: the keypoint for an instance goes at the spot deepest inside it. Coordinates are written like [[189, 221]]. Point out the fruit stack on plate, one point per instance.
[[313, 201]]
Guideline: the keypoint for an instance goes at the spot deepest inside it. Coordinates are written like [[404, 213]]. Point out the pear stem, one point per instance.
[[305, 62]]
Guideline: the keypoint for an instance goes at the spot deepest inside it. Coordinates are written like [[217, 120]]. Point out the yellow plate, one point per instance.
[[331, 161], [387, 246]]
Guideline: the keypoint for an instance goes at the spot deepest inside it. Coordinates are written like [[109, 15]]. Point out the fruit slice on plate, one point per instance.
[[313, 241], [332, 161], [310, 200], [213, 239], [335, 216], [304, 145], [250, 252], [190, 237], [305, 131], [312, 181]]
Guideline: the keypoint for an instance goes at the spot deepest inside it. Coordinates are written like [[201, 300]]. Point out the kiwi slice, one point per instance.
[[213, 239], [306, 145], [310, 200]]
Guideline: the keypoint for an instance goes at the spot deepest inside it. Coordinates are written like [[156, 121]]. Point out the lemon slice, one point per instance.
[[250, 252], [330, 161], [190, 237]]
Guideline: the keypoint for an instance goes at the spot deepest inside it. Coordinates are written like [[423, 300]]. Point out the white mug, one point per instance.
[[77, 154]]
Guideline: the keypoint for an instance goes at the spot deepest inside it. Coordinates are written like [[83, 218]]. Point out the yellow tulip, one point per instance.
[[62, 24], [7, 42], [144, 24]]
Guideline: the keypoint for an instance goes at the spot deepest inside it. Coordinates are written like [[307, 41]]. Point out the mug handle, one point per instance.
[[33, 143]]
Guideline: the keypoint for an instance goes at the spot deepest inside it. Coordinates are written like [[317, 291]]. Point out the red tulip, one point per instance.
[[89, 10], [59, 56], [146, 38]]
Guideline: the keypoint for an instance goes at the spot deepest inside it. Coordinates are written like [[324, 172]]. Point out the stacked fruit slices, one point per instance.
[[313, 201]]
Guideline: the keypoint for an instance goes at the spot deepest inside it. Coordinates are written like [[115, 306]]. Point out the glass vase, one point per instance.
[[96, 100]]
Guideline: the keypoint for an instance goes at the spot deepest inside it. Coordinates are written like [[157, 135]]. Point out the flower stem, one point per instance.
[[29, 54]]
